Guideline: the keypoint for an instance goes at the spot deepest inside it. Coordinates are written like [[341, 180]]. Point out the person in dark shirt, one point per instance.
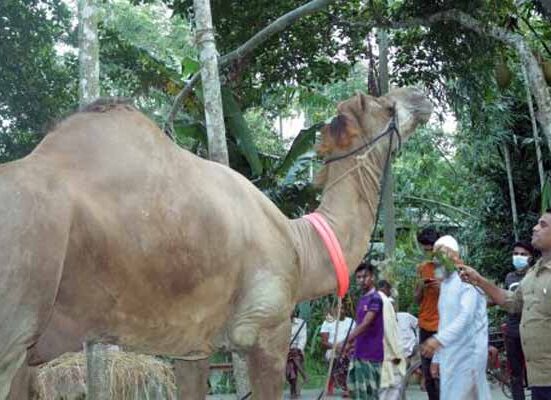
[[523, 258], [427, 293], [365, 370], [532, 298]]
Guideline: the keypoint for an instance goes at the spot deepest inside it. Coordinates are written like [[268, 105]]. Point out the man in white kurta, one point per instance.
[[393, 368], [462, 340]]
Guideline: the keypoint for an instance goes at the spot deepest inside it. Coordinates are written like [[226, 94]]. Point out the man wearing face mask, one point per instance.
[[533, 298], [523, 255]]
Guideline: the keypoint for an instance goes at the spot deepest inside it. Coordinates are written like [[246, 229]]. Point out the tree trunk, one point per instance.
[[539, 88], [97, 376], [534, 128], [216, 131], [208, 56], [88, 54], [509, 169], [389, 231]]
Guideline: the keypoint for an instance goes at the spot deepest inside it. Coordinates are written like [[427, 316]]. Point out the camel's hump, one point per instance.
[[105, 104]]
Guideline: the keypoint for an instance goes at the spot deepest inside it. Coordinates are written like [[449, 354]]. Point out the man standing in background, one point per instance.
[[533, 298], [427, 292], [408, 327], [329, 337], [393, 368], [523, 257], [295, 357], [367, 337]]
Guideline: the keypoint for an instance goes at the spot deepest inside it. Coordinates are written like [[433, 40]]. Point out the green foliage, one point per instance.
[[16, 144], [36, 84], [144, 55], [151, 28], [319, 100], [437, 57], [221, 382], [266, 139], [143, 49], [317, 48]]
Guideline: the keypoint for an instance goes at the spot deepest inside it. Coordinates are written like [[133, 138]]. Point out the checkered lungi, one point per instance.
[[364, 379], [339, 374]]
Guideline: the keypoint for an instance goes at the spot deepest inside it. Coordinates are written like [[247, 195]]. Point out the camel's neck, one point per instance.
[[349, 206]]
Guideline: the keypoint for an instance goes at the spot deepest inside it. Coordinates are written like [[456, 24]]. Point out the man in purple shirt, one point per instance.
[[367, 337]]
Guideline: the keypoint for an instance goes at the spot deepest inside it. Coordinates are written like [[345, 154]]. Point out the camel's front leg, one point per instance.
[[13, 370], [267, 361], [24, 383], [192, 379], [265, 303]]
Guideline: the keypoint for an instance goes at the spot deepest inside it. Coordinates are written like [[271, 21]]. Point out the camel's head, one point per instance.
[[362, 118]]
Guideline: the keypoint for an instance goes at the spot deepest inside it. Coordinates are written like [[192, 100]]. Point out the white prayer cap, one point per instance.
[[447, 241]]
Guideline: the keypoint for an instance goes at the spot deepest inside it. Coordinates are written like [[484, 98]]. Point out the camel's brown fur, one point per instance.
[[112, 233]]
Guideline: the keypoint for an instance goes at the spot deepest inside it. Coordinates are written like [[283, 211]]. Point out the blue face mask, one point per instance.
[[520, 262], [440, 272]]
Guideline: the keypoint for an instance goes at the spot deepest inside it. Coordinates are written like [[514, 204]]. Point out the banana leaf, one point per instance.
[[194, 130], [238, 128], [303, 143]]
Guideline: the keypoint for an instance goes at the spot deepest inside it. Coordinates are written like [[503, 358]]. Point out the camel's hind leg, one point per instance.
[[33, 241], [10, 364]]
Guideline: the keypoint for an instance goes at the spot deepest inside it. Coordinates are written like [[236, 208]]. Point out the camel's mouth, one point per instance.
[[412, 108]]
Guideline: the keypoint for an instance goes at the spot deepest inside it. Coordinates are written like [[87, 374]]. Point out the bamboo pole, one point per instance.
[[534, 128], [389, 212], [509, 170]]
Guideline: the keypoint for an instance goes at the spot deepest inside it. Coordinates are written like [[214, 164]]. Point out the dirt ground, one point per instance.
[[412, 394]]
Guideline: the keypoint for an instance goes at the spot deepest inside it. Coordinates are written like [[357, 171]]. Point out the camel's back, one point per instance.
[[113, 149], [160, 221]]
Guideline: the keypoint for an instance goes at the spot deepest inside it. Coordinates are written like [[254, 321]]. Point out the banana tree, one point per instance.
[[286, 180]]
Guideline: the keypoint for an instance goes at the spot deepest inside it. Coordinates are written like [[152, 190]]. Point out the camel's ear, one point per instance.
[[363, 101], [338, 134], [357, 105]]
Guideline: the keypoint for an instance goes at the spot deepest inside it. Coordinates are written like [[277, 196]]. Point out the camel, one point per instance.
[[111, 233]]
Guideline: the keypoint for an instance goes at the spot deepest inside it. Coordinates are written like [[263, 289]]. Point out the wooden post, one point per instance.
[[389, 213], [509, 169], [97, 371]]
